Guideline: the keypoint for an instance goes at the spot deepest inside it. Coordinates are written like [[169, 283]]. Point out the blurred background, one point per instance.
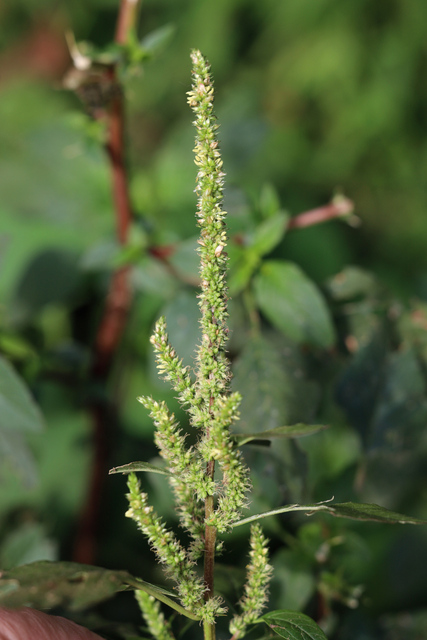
[[313, 99]]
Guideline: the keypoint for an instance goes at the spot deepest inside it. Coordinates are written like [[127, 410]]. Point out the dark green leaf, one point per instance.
[[52, 276], [134, 467], [269, 374], [351, 510], [291, 431], [293, 625], [293, 304], [45, 585], [363, 511]]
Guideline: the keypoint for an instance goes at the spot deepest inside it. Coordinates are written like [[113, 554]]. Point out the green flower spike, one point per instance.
[[167, 548], [256, 588], [153, 616], [216, 408]]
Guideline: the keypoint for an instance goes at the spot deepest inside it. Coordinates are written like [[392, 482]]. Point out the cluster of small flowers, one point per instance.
[[168, 550], [256, 588], [157, 625], [211, 409]]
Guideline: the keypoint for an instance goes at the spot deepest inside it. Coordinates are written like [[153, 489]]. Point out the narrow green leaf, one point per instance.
[[293, 303], [44, 585], [134, 467], [293, 625], [351, 510], [373, 512], [291, 431]]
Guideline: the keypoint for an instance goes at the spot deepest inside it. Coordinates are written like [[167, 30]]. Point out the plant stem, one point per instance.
[[117, 305], [338, 208], [126, 20]]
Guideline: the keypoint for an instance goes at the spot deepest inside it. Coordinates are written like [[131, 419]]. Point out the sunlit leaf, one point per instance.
[[293, 625], [134, 467], [293, 304]]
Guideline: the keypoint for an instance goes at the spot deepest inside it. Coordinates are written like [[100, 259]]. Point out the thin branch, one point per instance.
[[118, 300], [338, 208]]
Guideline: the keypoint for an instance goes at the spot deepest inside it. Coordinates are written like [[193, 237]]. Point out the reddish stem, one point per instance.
[[117, 305], [336, 209]]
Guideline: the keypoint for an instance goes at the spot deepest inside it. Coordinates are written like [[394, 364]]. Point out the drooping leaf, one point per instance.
[[293, 304], [291, 431], [293, 625], [350, 510], [45, 585], [134, 467]]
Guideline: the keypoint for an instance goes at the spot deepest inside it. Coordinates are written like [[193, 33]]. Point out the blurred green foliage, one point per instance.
[[312, 97]]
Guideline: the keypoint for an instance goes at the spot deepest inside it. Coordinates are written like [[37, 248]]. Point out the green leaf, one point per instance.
[[270, 374], [373, 512], [156, 40], [351, 282], [51, 276], [350, 510], [293, 625], [293, 304], [19, 414], [269, 233], [291, 431], [269, 202], [44, 585], [18, 411], [134, 467]]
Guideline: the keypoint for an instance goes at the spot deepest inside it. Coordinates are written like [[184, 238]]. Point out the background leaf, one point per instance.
[[134, 467], [293, 304]]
